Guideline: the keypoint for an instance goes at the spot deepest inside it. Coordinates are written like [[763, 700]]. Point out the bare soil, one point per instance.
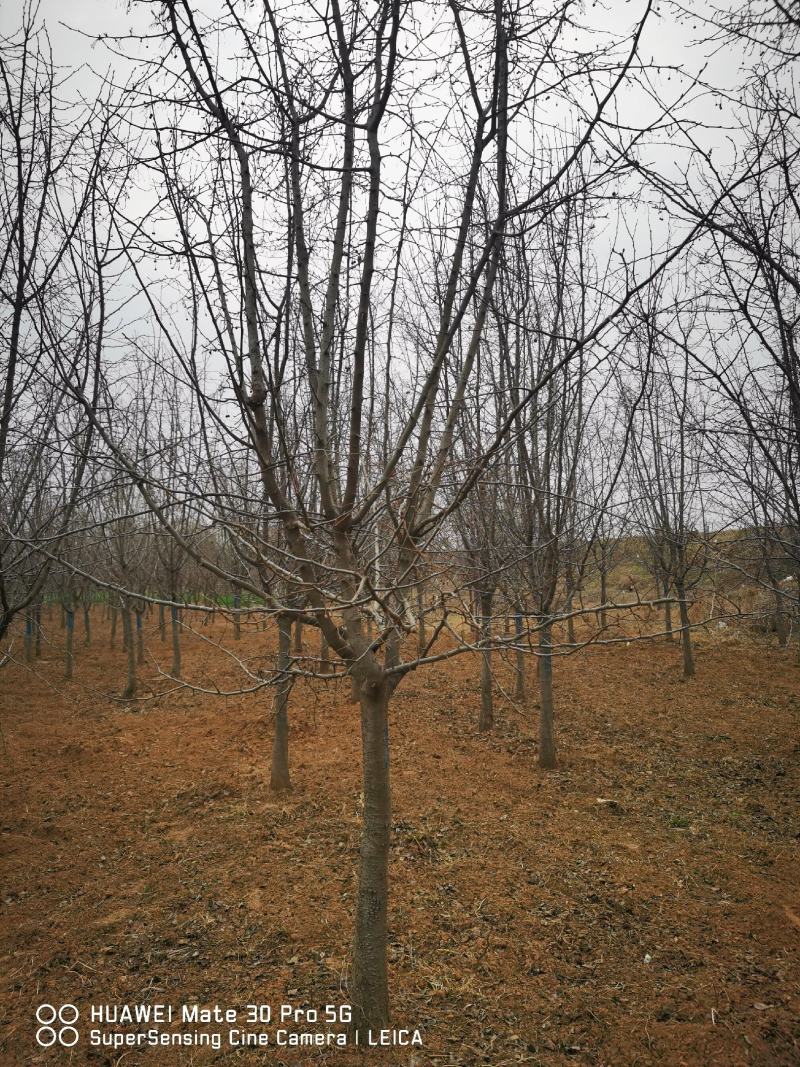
[[640, 905]]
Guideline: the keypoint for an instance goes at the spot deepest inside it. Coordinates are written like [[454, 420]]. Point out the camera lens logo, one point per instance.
[[64, 1033]]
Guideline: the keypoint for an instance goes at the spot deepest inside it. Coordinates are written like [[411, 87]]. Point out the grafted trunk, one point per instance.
[[69, 659], [686, 633], [175, 625], [486, 718], [519, 685], [129, 692], [279, 775], [87, 625], [369, 992], [547, 741]]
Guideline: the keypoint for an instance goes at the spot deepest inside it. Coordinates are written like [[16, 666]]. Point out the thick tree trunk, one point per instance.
[[686, 633], [547, 742], [69, 660], [129, 692], [370, 993], [298, 638], [87, 625], [162, 623], [279, 780], [175, 626], [486, 718], [519, 685]]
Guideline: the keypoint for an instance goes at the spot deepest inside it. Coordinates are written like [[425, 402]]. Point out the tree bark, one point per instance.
[[370, 993], [175, 626], [603, 598], [162, 623], [686, 633], [486, 718], [139, 639], [279, 780], [422, 637], [668, 612], [28, 637], [570, 620], [129, 692], [298, 638], [38, 620], [781, 621], [87, 625], [547, 743], [237, 619], [113, 638], [519, 685], [69, 660]]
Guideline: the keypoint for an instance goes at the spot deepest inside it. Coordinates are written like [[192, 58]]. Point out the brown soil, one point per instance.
[[640, 905]]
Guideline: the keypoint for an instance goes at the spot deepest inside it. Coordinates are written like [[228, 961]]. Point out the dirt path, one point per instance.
[[144, 860]]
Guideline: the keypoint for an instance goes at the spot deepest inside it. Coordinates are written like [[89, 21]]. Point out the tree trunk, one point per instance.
[[129, 692], [175, 625], [370, 993], [237, 619], [519, 685], [28, 638], [69, 660], [298, 638], [279, 780], [781, 621], [570, 619], [324, 654], [686, 633], [668, 613], [139, 639], [547, 743], [486, 718], [87, 625], [162, 623], [38, 618], [422, 637], [603, 598], [113, 639]]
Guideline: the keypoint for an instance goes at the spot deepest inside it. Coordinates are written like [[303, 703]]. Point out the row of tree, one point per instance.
[[382, 321]]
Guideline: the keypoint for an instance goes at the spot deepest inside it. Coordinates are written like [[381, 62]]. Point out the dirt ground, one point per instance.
[[145, 860]]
